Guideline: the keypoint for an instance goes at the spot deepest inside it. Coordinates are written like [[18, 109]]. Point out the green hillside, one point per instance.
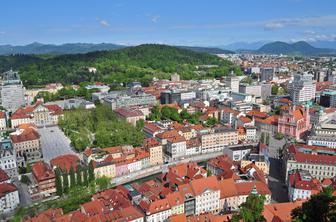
[[139, 63]]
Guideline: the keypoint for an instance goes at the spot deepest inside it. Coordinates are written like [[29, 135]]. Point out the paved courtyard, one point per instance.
[[54, 143]]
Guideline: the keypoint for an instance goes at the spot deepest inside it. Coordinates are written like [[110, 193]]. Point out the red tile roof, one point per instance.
[[256, 113], [6, 188], [27, 134], [199, 186], [65, 162], [297, 182], [245, 119], [94, 207], [42, 171], [154, 206], [3, 176], [245, 188], [282, 211], [49, 215], [126, 112]]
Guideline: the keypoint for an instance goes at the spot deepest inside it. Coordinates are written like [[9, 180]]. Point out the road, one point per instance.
[[54, 143], [162, 168], [275, 179]]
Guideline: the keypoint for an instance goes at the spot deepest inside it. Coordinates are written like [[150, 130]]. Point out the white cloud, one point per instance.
[[155, 18], [104, 23], [274, 25], [319, 21]]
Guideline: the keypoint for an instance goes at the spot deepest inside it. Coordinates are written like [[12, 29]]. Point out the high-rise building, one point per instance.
[[12, 91], [266, 74], [232, 81], [302, 89]]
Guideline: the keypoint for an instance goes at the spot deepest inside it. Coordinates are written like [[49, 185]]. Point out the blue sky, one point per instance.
[[176, 22]]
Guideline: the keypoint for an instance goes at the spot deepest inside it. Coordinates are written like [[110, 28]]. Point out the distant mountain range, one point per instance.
[[244, 46], [297, 48], [69, 48], [80, 48], [211, 50]]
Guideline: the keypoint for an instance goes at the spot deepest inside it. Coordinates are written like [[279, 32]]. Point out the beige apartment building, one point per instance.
[[216, 139], [155, 151]]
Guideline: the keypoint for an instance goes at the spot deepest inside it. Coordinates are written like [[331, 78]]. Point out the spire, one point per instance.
[[254, 190]]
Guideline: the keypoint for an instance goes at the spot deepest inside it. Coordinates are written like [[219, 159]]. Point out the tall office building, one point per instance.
[[12, 91], [302, 89], [266, 74], [232, 81]]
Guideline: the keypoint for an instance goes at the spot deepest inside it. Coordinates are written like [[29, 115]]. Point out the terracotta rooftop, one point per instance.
[[27, 134], [65, 162], [126, 112], [256, 113], [49, 215], [199, 186], [6, 188], [3, 176], [42, 171], [280, 210], [245, 188]]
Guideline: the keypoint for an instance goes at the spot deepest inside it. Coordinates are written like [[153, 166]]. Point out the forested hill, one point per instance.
[[139, 63]]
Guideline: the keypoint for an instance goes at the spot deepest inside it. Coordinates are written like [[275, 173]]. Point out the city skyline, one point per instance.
[[175, 23]]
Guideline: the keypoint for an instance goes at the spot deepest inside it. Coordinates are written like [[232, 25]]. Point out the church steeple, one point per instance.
[[254, 190]]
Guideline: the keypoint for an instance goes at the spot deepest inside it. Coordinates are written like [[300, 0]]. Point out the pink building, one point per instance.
[[122, 168], [294, 121]]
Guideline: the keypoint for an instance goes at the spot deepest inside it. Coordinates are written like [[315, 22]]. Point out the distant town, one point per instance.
[[258, 143]]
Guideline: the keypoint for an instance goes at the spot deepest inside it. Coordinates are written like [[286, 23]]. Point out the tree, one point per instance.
[[72, 177], [185, 115], [140, 124], [79, 175], [25, 179], [65, 183], [103, 182], [211, 121], [275, 89], [91, 172], [251, 210], [267, 139], [262, 137], [155, 114], [320, 207], [85, 177], [58, 182]]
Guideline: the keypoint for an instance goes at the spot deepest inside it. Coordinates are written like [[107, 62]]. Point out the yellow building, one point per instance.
[[155, 151]]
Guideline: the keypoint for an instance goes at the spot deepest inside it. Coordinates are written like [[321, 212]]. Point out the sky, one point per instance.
[[174, 22]]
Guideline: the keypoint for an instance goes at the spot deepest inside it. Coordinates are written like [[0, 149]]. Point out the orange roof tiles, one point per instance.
[[245, 188], [65, 162], [127, 112], [49, 215], [280, 210], [92, 208], [42, 171], [3, 176], [199, 186], [245, 119], [27, 134], [6, 188], [227, 188], [256, 113]]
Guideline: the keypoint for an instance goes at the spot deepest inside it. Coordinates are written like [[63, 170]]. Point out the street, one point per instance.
[[162, 168], [54, 143], [275, 179]]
